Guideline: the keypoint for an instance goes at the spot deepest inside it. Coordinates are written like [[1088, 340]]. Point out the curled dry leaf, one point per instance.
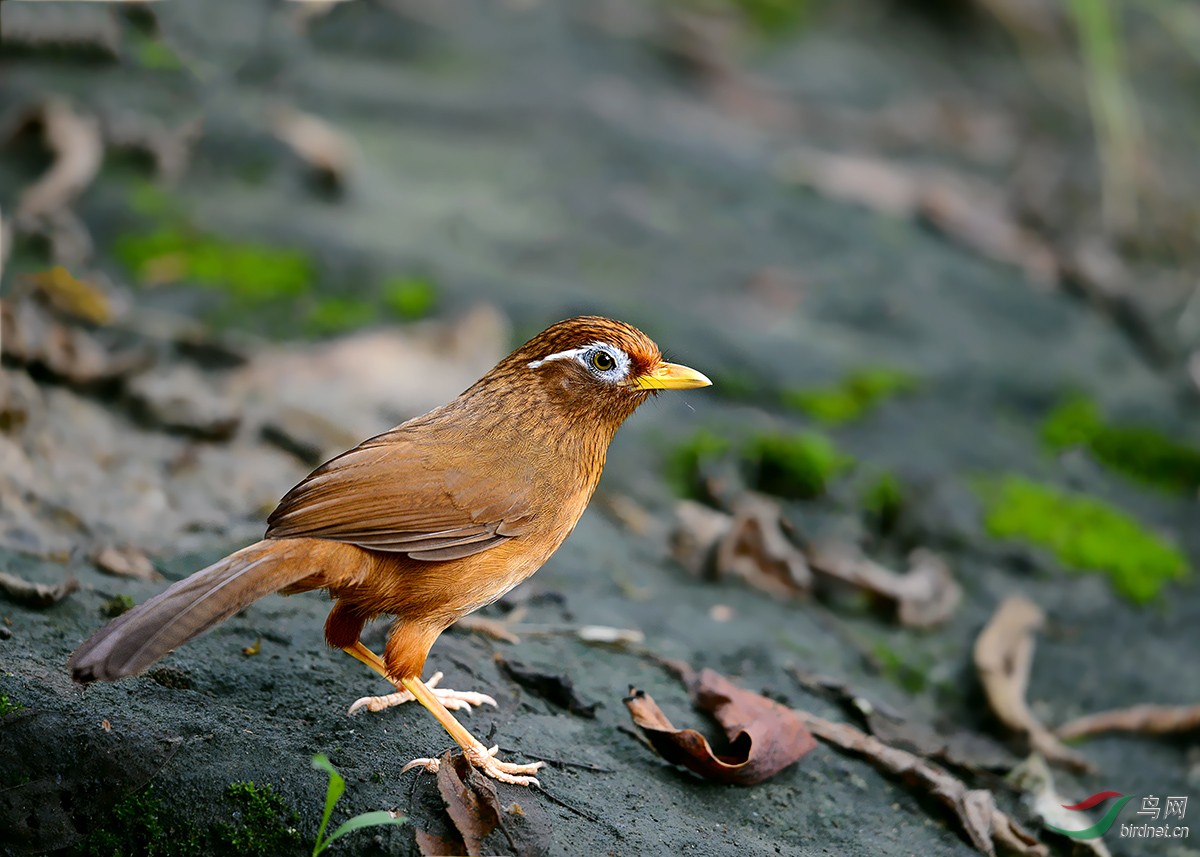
[[984, 824], [556, 689], [1033, 777], [750, 544], [926, 596], [126, 562], [471, 802], [35, 594], [45, 206], [1003, 659], [969, 211], [1146, 719], [324, 149], [31, 336], [764, 736]]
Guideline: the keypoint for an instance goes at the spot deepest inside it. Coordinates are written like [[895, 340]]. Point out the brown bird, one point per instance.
[[427, 522]]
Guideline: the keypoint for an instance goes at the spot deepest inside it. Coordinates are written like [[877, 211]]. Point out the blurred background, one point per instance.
[[939, 258]]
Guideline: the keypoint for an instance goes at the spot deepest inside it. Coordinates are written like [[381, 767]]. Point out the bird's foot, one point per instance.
[[455, 700], [485, 760]]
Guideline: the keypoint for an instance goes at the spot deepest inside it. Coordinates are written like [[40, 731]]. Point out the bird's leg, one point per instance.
[[455, 699], [477, 754]]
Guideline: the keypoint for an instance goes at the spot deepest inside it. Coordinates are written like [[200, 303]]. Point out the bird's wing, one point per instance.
[[394, 494]]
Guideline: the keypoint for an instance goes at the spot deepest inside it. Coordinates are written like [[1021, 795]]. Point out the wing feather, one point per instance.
[[417, 497]]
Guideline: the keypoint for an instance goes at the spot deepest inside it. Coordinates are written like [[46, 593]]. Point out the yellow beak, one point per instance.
[[671, 376]]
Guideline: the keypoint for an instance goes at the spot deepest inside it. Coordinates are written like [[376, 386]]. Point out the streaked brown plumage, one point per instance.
[[426, 522]]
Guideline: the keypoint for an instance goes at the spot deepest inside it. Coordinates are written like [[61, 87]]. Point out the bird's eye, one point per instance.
[[602, 361]]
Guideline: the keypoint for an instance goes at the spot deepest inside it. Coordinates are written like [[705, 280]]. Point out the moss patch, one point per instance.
[[336, 314], [254, 273], [1084, 534], [798, 466], [8, 706], [686, 463], [115, 606], [883, 501], [1138, 452], [259, 824], [854, 396], [409, 298]]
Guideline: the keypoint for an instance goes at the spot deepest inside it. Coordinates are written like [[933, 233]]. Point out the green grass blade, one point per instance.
[[367, 819], [337, 786]]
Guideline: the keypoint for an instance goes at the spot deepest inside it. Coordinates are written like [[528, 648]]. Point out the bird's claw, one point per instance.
[[455, 700], [485, 760]]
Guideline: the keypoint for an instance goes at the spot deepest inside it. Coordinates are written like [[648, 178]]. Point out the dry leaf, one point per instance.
[[70, 295], [985, 825], [764, 736], [1003, 659], [182, 399], [969, 211], [471, 801], [497, 629], [126, 562], [1146, 719], [254, 648], [750, 545], [31, 336], [326, 151], [45, 206], [35, 594], [927, 595], [1033, 777], [556, 689]]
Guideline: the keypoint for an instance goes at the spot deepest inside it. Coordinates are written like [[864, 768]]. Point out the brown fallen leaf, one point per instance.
[[750, 544], [556, 689], [1146, 719], [35, 594], [126, 562], [71, 295], [471, 802], [950, 745], [764, 736], [925, 596], [1003, 659], [326, 151], [31, 336], [984, 824], [45, 206]]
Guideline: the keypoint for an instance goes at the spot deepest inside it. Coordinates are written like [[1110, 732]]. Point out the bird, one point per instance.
[[427, 522]]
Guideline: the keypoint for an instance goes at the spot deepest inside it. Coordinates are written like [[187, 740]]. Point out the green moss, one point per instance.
[[155, 55], [1084, 534], [908, 676], [260, 825], [410, 298], [267, 824], [8, 706], [252, 273], [1138, 452], [883, 500], [797, 466], [115, 606], [142, 824], [850, 399], [335, 314], [685, 464]]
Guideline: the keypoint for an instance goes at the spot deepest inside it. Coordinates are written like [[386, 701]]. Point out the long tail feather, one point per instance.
[[135, 640]]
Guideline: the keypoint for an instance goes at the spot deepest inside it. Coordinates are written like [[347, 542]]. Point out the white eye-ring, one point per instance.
[[606, 362]]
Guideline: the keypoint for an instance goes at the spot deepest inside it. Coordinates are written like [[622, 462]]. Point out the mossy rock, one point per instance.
[[1084, 533], [853, 397], [1138, 452]]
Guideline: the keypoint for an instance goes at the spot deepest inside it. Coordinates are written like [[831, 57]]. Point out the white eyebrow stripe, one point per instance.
[[569, 354]]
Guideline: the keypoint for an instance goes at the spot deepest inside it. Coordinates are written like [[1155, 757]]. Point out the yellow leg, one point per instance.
[[361, 653], [459, 700], [477, 754]]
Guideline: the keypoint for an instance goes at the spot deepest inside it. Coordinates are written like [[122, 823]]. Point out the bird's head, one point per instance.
[[595, 366]]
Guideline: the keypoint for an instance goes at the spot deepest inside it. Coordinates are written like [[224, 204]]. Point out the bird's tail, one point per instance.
[[138, 638]]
